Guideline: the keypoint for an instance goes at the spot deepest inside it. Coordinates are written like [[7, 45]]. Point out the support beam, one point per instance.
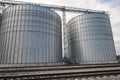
[[56, 7], [64, 28]]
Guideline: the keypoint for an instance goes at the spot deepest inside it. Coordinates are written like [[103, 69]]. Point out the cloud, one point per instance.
[[113, 6]]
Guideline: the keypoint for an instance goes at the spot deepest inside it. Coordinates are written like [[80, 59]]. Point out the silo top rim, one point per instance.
[[86, 14], [35, 5], [28, 4]]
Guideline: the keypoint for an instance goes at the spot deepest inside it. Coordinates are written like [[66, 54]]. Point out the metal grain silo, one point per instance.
[[30, 34], [0, 31], [0, 18], [90, 39]]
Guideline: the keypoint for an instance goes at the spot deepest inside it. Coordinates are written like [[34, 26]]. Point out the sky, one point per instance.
[[112, 6]]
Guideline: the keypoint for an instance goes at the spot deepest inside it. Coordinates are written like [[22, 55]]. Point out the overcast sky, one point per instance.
[[113, 6]]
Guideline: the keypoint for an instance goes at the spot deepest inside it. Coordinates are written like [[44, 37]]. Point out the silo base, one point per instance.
[[27, 65], [98, 62]]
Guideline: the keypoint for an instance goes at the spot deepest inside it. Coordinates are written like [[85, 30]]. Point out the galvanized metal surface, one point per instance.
[[0, 28], [30, 34], [0, 19], [90, 39]]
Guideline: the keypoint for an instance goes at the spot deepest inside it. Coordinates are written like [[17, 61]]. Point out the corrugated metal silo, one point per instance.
[[0, 18], [90, 39], [30, 34], [0, 31]]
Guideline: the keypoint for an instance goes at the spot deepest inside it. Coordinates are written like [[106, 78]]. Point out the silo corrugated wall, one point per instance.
[[0, 31], [0, 18], [90, 39], [30, 34]]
